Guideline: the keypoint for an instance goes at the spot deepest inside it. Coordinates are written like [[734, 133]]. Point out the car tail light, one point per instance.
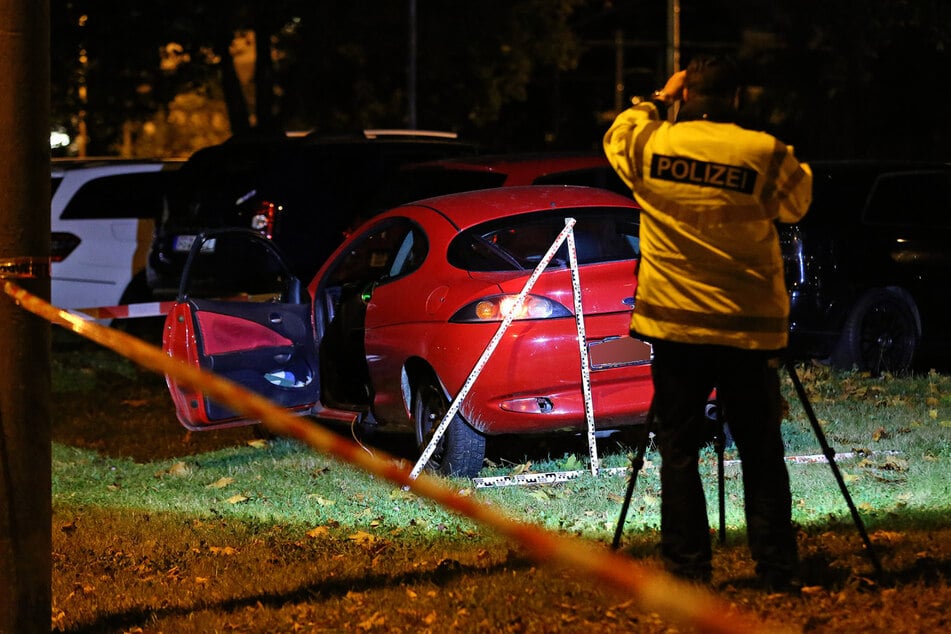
[[496, 307], [264, 218], [61, 245]]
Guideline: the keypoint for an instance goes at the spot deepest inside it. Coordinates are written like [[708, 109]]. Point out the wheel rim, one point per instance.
[[888, 338], [431, 407]]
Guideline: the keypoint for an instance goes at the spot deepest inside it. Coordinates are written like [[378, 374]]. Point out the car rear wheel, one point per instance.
[[461, 450], [880, 335]]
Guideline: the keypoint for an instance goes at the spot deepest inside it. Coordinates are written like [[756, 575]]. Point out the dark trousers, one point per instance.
[[749, 400]]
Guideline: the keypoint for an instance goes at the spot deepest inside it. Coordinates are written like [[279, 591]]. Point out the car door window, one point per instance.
[[236, 264], [920, 199], [389, 250]]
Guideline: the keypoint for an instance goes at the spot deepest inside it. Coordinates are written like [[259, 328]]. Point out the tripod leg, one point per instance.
[[637, 463], [829, 453], [713, 413], [719, 444]]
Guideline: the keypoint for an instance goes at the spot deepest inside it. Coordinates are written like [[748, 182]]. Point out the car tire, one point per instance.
[[881, 334], [461, 450]]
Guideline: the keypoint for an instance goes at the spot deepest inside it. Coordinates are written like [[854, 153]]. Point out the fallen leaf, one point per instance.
[[227, 550], [361, 537], [318, 531], [376, 620], [236, 499], [220, 483], [257, 443], [522, 468], [177, 469]]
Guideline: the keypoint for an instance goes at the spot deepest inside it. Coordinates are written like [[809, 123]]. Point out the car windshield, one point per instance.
[[604, 234]]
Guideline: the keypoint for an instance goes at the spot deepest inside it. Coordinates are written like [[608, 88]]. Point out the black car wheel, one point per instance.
[[461, 449], [880, 335]]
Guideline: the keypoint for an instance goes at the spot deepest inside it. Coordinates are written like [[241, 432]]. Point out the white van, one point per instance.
[[103, 213]]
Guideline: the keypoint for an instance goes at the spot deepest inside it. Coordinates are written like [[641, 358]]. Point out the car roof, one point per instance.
[[475, 207], [61, 165], [535, 163]]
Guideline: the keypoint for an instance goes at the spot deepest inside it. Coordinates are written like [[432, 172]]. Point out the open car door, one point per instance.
[[241, 314]]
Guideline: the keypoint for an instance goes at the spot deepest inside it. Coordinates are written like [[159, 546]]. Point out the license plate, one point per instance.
[[184, 243], [615, 352]]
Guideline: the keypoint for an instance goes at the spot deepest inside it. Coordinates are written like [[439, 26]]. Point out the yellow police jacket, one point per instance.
[[711, 271]]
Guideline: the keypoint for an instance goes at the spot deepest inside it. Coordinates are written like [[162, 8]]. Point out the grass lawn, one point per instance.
[[160, 530]]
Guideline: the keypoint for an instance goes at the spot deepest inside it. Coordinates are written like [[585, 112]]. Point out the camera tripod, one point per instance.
[[719, 443]]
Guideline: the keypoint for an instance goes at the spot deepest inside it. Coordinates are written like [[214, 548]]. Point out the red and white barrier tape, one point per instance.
[[682, 603], [125, 311]]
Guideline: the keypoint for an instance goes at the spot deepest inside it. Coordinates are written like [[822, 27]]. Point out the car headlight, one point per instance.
[[496, 307]]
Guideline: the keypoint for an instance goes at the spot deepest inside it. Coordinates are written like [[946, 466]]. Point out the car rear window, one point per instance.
[[520, 242], [216, 179]]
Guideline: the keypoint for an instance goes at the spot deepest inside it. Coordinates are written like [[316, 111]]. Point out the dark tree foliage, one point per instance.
[[856, 79], [842, 78]]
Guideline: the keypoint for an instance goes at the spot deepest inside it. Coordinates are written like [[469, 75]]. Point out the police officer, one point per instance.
[[712, 300]]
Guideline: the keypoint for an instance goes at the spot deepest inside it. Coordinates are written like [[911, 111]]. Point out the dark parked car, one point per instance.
[[304, 192], [868, 267]]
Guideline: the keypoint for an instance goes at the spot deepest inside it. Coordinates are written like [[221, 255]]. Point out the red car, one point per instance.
[[394, 323]]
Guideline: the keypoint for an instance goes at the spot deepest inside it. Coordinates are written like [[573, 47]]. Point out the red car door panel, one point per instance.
[[265, 347]]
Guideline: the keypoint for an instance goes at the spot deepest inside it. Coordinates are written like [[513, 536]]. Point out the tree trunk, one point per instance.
[[25, 457], [238, 113], [263, 73]]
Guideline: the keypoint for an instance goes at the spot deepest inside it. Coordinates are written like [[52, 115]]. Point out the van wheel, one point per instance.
[[880, 335], [461, 449]]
